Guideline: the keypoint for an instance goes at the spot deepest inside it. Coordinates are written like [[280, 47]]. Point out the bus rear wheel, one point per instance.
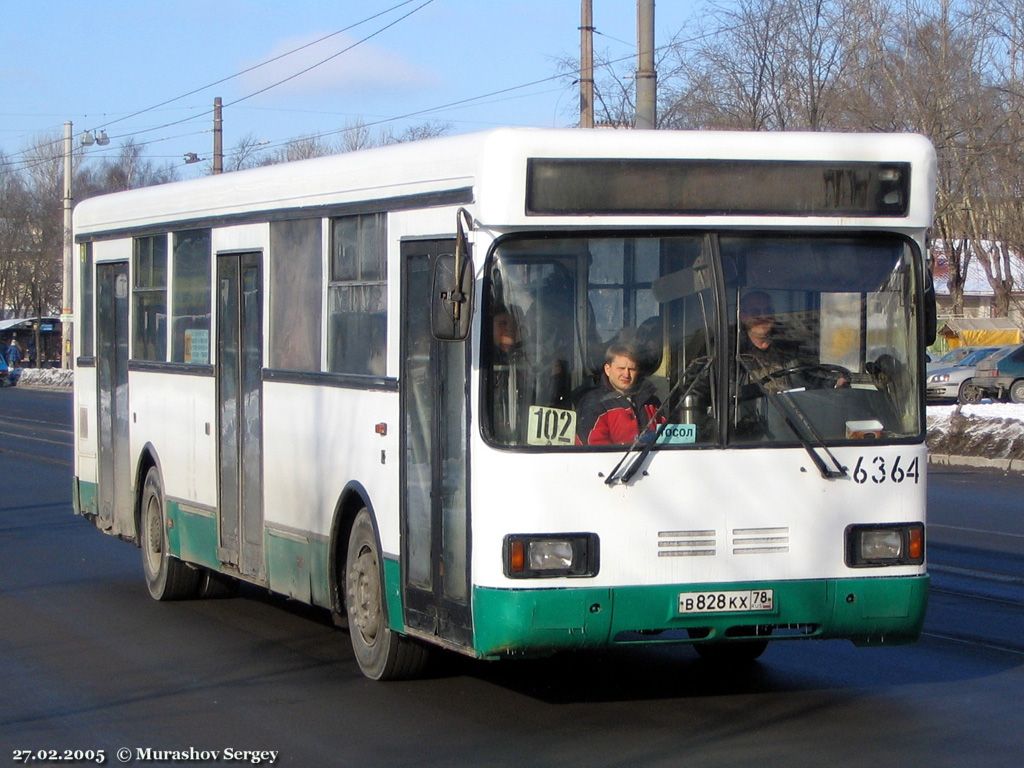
[[381, 653], [167, 578]]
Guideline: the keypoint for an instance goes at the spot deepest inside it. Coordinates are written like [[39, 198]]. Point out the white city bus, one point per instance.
[[356, 381]]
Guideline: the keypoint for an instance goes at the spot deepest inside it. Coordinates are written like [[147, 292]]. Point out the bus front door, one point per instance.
[[434, 507], [115, 505], [239, 412]]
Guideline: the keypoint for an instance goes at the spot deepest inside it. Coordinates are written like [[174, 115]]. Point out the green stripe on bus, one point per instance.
[[393, 593], [87, 497], [192, 536], [536, 621], [298, 566]]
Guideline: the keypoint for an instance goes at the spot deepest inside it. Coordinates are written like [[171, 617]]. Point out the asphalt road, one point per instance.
[[89, 662]]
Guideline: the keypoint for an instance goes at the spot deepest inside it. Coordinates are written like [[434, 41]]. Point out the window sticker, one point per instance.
[[678, 434], [551, 426]]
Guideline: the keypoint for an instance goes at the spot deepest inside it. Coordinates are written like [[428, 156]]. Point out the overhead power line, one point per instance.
[[154, 107], [301, 72], [246, 71], [675, 42]]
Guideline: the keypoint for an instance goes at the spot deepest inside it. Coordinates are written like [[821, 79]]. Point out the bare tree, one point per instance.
[[31, 218], [13, 226], [413, 133], [303, 148], [922, 67], [245, 154], [355, 136], [38, 260], [130, 170], [999, 190]]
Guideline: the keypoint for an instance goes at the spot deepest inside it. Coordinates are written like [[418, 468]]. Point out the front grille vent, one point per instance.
[[760, 541], [687, 543]]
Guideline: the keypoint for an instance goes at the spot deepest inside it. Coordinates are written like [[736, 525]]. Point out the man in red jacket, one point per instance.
[[622, 406]]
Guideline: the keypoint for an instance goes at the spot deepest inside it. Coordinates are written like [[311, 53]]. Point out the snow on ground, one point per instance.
[[44, 378], [987, 430]]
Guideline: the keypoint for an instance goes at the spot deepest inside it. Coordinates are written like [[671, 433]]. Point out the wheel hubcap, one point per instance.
[[154, 536], [363, 590]]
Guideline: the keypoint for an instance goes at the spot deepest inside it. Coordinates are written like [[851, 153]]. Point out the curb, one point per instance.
[[977, 462]]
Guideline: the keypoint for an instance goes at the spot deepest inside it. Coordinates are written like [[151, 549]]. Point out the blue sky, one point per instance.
[[96, 62]]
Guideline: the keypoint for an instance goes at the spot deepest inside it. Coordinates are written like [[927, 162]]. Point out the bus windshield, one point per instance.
[[684, 341]]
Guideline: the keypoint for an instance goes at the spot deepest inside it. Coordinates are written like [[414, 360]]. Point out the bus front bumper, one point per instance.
[[534, 622]]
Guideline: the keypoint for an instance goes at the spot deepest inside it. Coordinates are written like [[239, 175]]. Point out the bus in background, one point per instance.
[[366, 382]]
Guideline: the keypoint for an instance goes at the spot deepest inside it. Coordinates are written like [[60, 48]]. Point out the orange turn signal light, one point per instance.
[[517, 556], [915, 543]]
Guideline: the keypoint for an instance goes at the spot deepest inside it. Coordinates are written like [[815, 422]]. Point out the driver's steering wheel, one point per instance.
[[824, 372]]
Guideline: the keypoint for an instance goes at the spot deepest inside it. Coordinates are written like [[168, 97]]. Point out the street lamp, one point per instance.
[[101, 139], [66, 313]]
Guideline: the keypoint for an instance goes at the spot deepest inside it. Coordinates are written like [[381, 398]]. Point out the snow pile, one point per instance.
[[44, 378], [988, 430]]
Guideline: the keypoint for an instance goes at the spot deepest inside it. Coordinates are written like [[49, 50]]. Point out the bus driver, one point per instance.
[[771, 362]]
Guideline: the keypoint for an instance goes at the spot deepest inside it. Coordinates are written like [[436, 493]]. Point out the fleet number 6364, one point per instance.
[[878, 470]]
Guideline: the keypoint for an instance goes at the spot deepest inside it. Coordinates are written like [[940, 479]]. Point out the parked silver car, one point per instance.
[[954, 382]]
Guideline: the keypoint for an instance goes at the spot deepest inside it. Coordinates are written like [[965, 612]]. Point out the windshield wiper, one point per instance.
[[786, 407], [649, 438]]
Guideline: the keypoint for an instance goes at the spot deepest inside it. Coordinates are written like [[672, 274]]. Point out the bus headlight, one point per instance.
[[879, 545], [531, 556]]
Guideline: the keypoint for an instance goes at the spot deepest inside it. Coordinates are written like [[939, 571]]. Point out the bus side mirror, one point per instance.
[[451, 302]]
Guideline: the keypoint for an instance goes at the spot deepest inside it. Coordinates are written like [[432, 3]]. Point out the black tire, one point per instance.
[[968, 394], [381, 653], [214, 585], [736, 652], [1017, 391], [167, 578]]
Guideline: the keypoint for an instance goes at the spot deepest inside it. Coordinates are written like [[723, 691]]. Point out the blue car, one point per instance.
[[950, 358]]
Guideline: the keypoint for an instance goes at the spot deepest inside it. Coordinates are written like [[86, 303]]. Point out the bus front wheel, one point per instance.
[[381, 653], [167, 578]]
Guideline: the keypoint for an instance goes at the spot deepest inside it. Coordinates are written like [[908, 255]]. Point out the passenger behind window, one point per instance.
[[377, 361], [508, 373], [561, 350], [622, 406]]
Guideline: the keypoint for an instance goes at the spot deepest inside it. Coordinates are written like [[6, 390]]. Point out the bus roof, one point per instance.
[[490, 169]]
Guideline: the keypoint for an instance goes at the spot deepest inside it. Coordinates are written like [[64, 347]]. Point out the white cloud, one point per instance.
[[362, 67]]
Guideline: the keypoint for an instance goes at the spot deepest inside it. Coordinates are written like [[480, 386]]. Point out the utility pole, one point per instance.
[[646, 77], [586, 64], [218, 136], [66, 313]]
